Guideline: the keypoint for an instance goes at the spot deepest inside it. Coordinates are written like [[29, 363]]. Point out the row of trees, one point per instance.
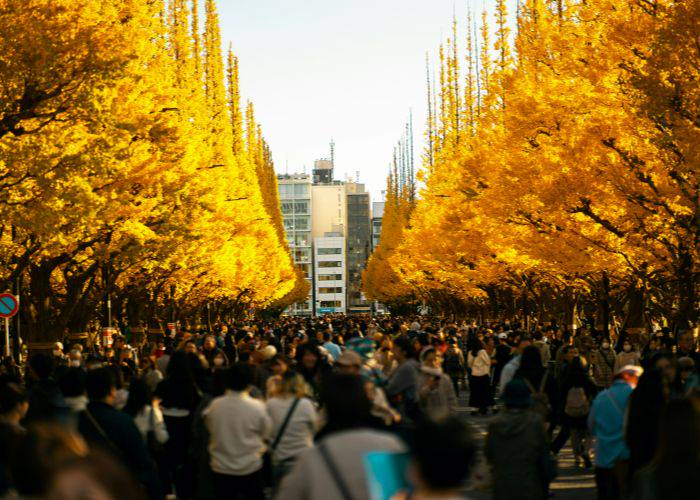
[[560, 168], [129, 168]]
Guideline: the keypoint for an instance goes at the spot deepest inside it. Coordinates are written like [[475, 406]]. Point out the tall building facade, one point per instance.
[[296, 204], [329, 274], [329, 209], [358, 246], [377, 216], [328, 227]]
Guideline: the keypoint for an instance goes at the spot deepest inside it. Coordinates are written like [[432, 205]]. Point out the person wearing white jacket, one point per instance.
[[145, 411]]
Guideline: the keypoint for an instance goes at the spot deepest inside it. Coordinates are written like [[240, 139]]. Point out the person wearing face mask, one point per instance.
[[628, 356], [606, 421], [603, 364]]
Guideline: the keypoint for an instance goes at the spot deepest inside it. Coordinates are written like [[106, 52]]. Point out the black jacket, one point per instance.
[[116, 433]]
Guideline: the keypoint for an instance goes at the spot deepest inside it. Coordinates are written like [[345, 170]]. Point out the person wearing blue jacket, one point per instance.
[[606, 422]]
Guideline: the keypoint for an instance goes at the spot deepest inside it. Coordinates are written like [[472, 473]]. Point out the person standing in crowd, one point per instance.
[[144, 409], [578, 391], [402, 388], [238, 428], [603, 364], [673, 471], [687, 346], [13, 408], [543, 346], [334, 468], [606, 423], [435, 393], [330, 346], [512, 366], [479, 363], [443, 454], [538, 380], [453, 364], [44, 395], [646, 403], [294, 423], [72, 385], [102, 425], [312, 365], [516, 447], [503, 354], [179, 397], [629, 356]]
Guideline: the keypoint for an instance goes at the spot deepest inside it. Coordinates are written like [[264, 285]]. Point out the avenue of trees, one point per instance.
[[560, 171], [130, 169]]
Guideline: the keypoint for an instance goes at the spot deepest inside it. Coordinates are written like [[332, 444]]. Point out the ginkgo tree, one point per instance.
[[575, 163], [125, 169]]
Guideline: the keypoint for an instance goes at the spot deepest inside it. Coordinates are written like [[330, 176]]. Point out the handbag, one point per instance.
[[155, 447], [268, 476]]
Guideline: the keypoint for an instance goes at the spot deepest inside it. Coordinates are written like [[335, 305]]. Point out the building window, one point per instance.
[[330, 277], [331, 303], [302, 255], [301, 189], [330, 251], [302, 240], [330, 289], [330, 263]]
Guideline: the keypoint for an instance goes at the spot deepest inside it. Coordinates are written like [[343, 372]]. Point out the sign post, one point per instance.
[[9, 306]]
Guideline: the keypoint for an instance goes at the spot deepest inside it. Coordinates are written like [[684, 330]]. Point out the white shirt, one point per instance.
[[238, 427], [508, 373], [481, 364], [299, 434]]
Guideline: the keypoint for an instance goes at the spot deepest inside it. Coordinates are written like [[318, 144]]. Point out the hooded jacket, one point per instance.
[[516, 446]]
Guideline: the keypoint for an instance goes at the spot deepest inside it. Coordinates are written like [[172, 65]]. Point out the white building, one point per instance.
[[329, 274], [296, 204]]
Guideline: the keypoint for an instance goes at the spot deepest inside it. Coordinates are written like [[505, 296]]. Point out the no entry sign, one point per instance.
[[9, 305]]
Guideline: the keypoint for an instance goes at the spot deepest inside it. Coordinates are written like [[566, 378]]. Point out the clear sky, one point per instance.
[[346, 69]]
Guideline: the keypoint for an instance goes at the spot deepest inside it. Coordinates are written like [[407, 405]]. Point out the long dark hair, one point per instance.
[[140, 395], [531, 365], [677, 459], [644, 409], [474, 345]]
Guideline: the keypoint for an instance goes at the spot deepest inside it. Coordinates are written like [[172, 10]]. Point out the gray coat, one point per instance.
[[516, 447]]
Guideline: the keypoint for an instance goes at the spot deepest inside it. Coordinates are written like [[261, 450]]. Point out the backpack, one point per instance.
[[577, 404], [540, 400]]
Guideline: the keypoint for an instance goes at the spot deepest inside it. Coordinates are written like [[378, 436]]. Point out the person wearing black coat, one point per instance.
[[103, 426], [577, 377]]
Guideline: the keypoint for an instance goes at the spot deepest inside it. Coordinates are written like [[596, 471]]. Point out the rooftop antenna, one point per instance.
[[332, 153]]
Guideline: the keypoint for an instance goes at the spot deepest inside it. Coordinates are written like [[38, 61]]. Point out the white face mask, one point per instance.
[[218, 362], [605, 345], [627, 348]]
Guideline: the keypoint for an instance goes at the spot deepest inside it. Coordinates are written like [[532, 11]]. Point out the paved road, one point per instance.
[[572, 483]]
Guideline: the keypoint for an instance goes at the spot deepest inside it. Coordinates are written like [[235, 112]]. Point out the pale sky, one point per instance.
[[343, 69]]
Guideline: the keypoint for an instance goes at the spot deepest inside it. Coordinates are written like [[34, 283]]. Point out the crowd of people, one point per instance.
[[301, 408]]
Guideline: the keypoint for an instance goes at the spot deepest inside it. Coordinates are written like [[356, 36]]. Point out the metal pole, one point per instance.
[[7, 336], [109, 311], [16, 338]]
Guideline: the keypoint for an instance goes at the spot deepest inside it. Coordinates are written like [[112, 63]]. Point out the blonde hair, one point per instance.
[[293, 384]]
